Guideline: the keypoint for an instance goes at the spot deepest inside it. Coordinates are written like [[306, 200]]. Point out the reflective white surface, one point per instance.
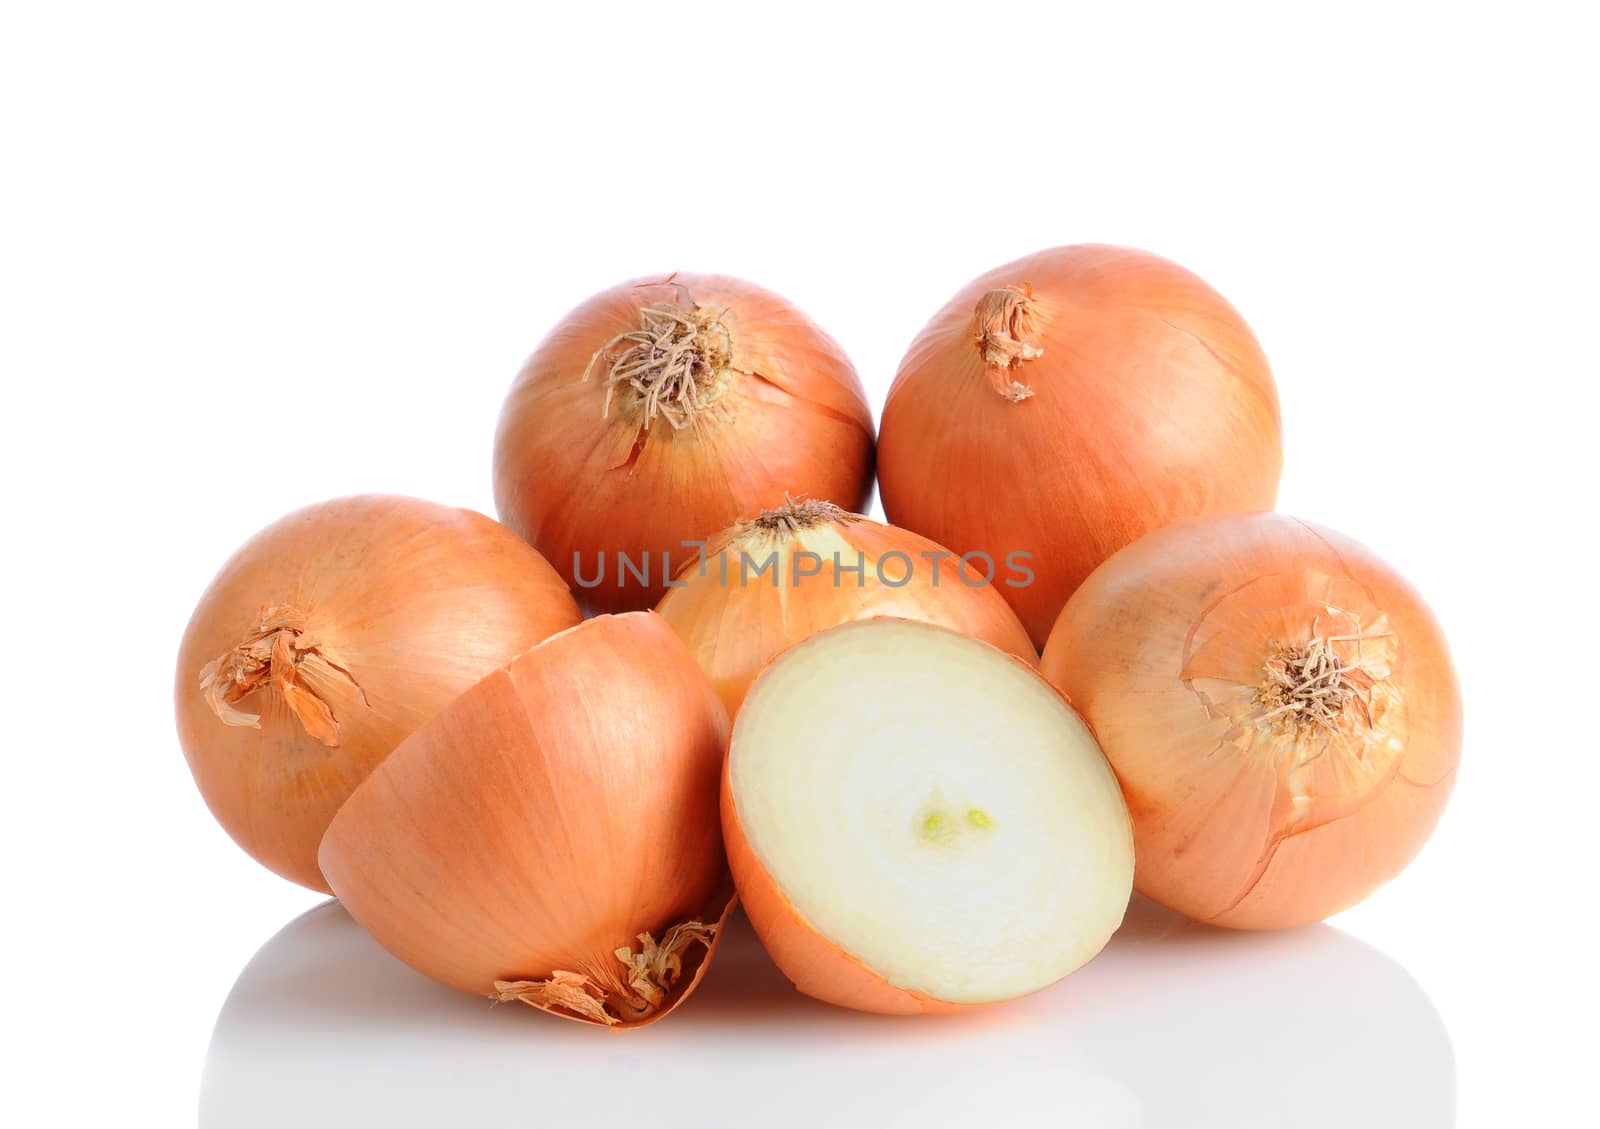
[[1173, 1025]]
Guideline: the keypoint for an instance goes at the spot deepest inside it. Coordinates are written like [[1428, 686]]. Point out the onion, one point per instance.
[[1279, 705], [917, 822], [1066, 404], [551, 836], [327, 639], [773, 580], [662, 411]]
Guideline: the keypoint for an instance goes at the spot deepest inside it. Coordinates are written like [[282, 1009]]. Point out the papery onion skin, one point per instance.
[[1241, 820], [736, 624], [579, 472], [407, 603], [1068, 403], [547, 817]]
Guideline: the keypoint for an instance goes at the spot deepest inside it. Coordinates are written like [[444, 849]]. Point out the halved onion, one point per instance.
[[916, 822], [1279, 705], [806, 566], [327, 639], [552, 836]]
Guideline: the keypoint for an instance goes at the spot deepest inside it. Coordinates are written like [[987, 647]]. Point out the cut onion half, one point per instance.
[[916, 822]]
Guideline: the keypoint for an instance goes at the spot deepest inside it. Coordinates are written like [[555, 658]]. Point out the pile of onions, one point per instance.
[[1279, 706], [327, 639], [552, 836], [399, 702], [1070, 402], [662, 411], [769, 582]]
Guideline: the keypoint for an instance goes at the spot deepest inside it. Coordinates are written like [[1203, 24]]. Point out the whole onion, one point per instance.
[[1279, 705], [1066, 404], [327, 639], [664, 410], [789, 572]]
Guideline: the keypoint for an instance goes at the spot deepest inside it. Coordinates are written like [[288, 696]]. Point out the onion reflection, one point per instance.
[[1174, 1025]]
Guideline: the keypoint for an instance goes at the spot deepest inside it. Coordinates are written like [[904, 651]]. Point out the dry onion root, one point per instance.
[[662, 411], [916, 822], [805, 566], [1068, 403], [1279, 705], [330, 636], [552, 836]]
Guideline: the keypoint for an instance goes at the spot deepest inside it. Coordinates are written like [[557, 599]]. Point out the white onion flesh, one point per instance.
[[933, 808]]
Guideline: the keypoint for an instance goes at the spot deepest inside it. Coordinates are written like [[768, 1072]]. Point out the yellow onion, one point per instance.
[[769, 582], [1279, 705], [551, 837], [662, 411], [1066, 404], [327, 639]]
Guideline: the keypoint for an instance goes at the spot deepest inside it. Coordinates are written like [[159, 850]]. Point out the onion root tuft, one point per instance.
[[675, 365], [637, 993], [791, 518], [1314, 688]]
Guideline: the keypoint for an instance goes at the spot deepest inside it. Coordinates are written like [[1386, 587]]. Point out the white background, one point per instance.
[[253, 256]]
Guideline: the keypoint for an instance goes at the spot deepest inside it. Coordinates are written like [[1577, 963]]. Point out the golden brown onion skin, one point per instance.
[[735, 625], [414, 600], [1151, 402], [575, 476], [553, 812], [1241, 819]]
